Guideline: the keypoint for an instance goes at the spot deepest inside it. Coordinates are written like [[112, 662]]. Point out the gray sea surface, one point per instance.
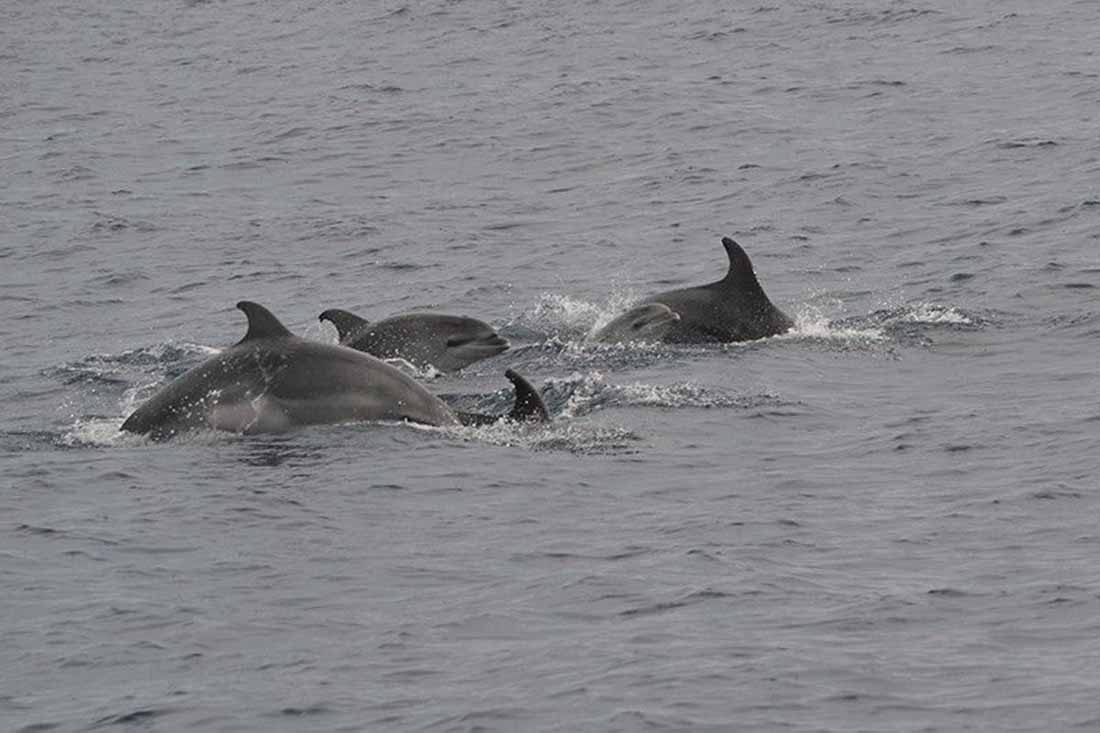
[[885, 520]]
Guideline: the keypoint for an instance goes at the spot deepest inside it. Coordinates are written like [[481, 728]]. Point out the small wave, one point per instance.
[[555, 354], [106, 432], [29, 440], [700, 596], [118, 370], [581, 394], [167, 352], [98, 432], [810, 323], [134, 718], [301, 712], [1026, 142], [934, 313], [910, 323], [573, 437], [112, 224]]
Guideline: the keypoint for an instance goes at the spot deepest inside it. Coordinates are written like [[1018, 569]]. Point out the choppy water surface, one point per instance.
[[885, 520]]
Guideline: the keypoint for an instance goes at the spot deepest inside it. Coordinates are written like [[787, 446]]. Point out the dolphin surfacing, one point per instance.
[[272, 380], [734, 308], [647, 322], [445, 342]]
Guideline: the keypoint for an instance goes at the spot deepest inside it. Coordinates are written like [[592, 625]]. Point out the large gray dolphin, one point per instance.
[[734, 308], [272, 380], [447, 343]]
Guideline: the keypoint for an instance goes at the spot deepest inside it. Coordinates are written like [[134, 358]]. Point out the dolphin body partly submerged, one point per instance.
[[734, 308], [445, 342], [272, 380], [646, 322]]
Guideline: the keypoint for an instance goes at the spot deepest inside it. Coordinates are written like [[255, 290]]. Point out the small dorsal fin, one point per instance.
[[740, 273], [528, 406], [345, 321], [261, 322]]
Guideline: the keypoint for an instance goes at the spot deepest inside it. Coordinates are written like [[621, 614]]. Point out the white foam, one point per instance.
[[811, 323], [575, 437], [591, 390], [934, 313], [161, 351], [572, 318], [617, 303], [425, 372], [101, 431]]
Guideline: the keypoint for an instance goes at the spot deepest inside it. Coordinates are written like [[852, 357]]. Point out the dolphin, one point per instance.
[[646, 322], [447, 343], [272, 380], [734, 308]]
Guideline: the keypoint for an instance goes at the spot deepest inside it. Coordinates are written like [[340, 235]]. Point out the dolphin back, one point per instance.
[[735, 308], [448, 343], [325, 383], [188, 402], [271, 385]]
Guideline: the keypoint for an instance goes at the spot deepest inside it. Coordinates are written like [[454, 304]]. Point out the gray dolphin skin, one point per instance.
[[734, 308], [647, 322], [445, 342], [272, 380]]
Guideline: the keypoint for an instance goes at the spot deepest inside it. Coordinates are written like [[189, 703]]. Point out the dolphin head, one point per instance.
[[645, 322], [470, 340]]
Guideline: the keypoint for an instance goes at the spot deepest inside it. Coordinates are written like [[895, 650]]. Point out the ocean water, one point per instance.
[[884, 520]]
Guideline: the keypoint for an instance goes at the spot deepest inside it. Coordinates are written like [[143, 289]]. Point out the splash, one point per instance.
[[572, 319], [935, 313], [811, 323], [112, 368], [425, 373], [98, 432], [580, 394], [572, 437]]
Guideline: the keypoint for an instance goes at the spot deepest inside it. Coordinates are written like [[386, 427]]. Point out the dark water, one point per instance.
[[886, 520]]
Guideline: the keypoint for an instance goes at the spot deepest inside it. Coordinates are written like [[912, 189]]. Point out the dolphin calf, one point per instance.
[[447, 343], [734, 308], [272, 380], [645, 322]]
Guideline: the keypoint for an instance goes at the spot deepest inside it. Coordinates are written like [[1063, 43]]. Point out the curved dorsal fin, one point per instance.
[[261, 322], [740, 274], [345, 321], [528, 406]]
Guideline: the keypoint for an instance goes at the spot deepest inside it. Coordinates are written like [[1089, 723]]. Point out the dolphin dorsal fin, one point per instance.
[[740, 274], [261, 323], [528, 406], [346, 322]]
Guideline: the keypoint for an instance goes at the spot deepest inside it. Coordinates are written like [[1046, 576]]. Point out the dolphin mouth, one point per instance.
[[489, 345], [657, 319]]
